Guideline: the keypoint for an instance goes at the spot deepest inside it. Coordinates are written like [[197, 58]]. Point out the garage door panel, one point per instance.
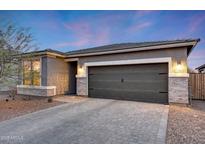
[[128, 68], [106, 93], [153, 86], [129, 85], [105, 84], [128, 76], [145, 96], [147, 82], [104, 77]]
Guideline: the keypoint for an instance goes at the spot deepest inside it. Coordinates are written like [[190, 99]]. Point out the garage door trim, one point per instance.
[[84, 74]]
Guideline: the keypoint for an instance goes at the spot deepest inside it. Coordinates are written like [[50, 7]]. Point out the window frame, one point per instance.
[[40, 70]]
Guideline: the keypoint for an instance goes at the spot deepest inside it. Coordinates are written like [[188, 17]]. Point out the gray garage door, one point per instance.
[[147, 82]]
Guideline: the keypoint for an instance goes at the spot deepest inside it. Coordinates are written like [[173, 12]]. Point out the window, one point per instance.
[[31, 72]]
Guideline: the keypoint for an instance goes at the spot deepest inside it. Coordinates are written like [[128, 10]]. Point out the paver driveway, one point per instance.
[[88, 120]]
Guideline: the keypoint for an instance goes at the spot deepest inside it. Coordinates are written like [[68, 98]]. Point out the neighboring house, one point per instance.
[[147, 71], [201, 69]]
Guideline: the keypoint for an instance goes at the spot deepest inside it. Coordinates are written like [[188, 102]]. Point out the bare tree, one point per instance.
[[13, 42]]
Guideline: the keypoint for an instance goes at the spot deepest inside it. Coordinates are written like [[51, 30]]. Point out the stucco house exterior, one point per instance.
[[147, 71]]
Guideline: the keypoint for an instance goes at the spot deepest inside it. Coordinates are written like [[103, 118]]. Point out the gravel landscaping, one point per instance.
[[22, 105], [186, 124]]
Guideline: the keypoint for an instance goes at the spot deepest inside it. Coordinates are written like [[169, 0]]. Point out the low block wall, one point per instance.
[[45, 91]]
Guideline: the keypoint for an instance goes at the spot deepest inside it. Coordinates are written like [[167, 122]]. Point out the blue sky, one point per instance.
[[71, 30]]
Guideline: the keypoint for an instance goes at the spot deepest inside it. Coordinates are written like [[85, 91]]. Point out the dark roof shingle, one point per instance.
[[128, 46], [44, 51], [113, 47]]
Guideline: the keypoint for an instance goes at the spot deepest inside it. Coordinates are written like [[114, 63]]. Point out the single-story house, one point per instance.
[[147, 71], [201, 69]]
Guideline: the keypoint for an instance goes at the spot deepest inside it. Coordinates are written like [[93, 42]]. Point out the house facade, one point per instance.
[[147, 71]]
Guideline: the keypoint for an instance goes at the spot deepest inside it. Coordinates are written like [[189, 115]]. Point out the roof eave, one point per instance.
[[200, 67], [154, 47], [43, 53], [192, 47]]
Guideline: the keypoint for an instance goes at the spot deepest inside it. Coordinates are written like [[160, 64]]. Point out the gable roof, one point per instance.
[[124, 46], [200, 67]]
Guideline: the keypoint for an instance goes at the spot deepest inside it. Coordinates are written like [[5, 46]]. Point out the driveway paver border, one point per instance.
[[161, 136]]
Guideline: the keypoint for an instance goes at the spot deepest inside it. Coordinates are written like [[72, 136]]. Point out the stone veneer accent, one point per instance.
[[178, 90], [82, 86], [36, 90]]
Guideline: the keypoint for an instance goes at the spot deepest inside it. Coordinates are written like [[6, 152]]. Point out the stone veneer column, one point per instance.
[[82, 86], [178, 90]]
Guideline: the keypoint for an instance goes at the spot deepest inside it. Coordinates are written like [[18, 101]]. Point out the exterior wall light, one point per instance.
[[179, 67], [81, 71]]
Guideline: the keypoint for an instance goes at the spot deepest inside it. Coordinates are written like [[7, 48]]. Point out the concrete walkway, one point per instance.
[[88, 120]]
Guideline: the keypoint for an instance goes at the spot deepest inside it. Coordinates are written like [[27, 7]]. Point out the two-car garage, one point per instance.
[[143, 71], [138, 82]]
